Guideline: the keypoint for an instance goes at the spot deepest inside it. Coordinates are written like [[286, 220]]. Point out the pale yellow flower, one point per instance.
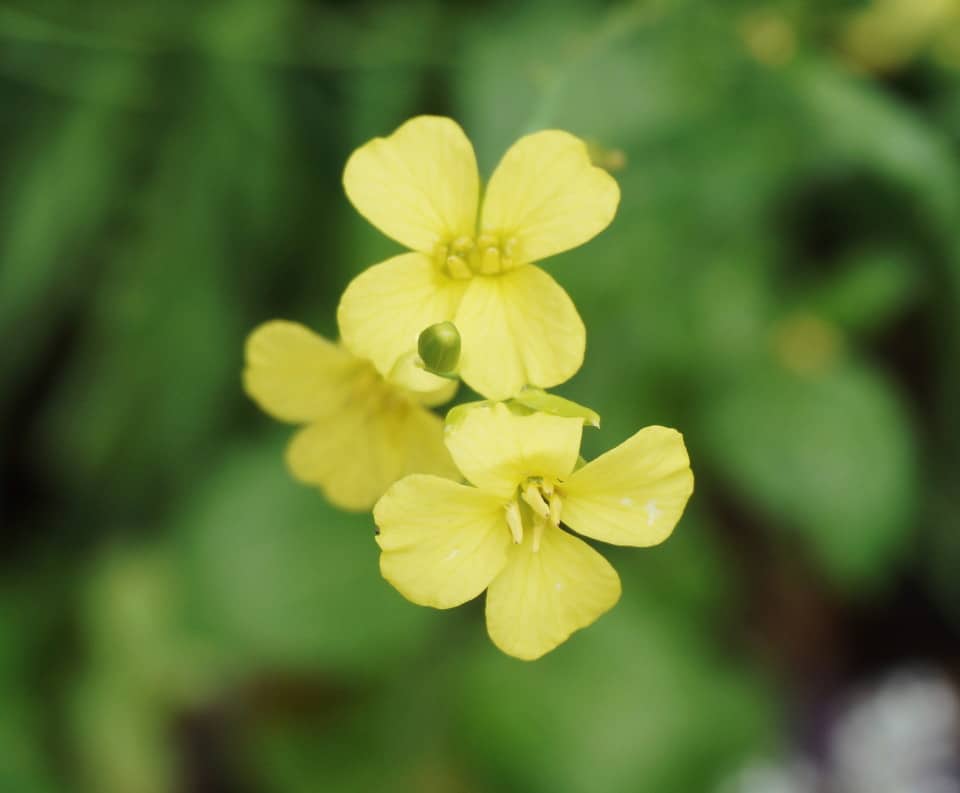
[[472, 263], [363, 431], [443, 543]]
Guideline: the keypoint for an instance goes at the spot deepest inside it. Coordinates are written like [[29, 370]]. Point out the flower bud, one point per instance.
[[439, 348]]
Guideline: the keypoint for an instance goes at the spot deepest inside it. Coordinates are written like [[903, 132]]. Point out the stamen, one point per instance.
[[462, 245], [490, 261], [488, 254], [555, 506], [457, 267], [539, 523], [514, 521], [532, 495]]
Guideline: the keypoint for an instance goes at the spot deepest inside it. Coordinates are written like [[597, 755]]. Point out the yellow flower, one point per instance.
[[364, 431], [420, 186], [444, 543]]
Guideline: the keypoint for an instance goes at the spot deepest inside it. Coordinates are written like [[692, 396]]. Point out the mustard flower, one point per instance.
[[364, 431], [472, 263], [443, 543]]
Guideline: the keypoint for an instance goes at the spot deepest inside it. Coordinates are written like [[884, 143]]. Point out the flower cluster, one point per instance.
[[488, 499]]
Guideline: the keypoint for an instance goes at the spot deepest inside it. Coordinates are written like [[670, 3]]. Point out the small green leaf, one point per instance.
[[539, 400]]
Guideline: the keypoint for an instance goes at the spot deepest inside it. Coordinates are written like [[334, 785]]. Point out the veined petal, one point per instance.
[[542, 597], [385, 308], [496, 450], [368, 445], [294, 374], [442, 542], [633, 494], [546, 194], [419, 185], [518, 328]]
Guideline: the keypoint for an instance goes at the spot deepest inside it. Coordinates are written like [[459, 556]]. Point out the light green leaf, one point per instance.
[[283, 579], [828, 455]]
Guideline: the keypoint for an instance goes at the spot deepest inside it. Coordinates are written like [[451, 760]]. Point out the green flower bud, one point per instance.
[[439, 348]]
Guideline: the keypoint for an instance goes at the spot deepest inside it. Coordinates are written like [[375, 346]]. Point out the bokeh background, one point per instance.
[[782, 283]]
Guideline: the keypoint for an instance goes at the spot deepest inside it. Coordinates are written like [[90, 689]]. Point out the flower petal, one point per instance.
[[425, 387], [294, 374], [385, 308], [546, 194], [633, 494], [542, 597], [519, 328], [496, 450], [370, 444], [442, 542], [419, 185]]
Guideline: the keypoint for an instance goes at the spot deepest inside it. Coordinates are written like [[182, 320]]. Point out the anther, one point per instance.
[[514, 521], [462, 245], [457, 267], [532, 495], [555, 505], [490, 261]]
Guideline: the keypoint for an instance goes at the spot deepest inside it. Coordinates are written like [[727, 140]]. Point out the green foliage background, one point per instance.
[[782, 283]]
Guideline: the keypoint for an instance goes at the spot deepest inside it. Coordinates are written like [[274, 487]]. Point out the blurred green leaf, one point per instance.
[[58, 198], [121, 738], [851, 119], [829, 455], [24, 766], [635, 703], [363, 748], [140, 631], [869, 290], [286, 580], [162, 352]]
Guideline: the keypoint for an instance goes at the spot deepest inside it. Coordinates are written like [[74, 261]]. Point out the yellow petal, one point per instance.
[[385, 308], [373, 441], [634, 494], [542, 597], [425, 387], [442, 542], [546, 194], [419, 185], [519, 328], [496, 450], [294, 374]]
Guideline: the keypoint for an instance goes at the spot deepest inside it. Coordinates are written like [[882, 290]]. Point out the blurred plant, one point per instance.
[[782, 280], [901, 734], [888, 34]]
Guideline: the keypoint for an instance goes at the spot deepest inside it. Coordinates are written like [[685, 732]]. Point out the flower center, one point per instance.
[[488, 254], [543, 505]]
